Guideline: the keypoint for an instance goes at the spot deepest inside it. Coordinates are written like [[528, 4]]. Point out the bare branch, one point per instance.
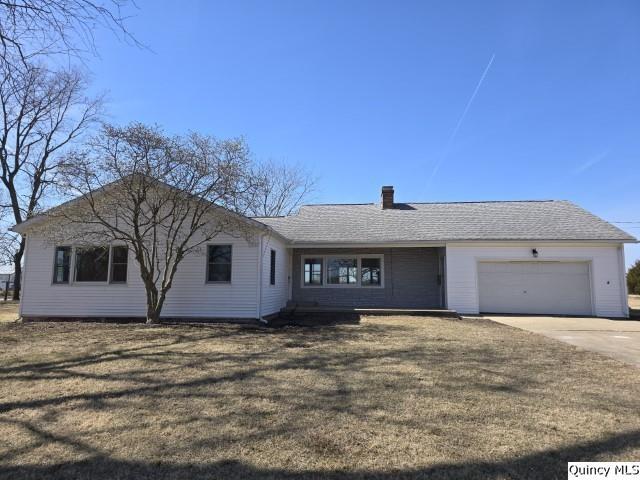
[[281, 190], [33, 28], [43, 112], [164, 197]]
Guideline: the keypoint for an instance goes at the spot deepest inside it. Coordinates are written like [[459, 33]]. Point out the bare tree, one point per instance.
[[30, 28], [41, 113], [9, 241], [280, 190], [163, 197]]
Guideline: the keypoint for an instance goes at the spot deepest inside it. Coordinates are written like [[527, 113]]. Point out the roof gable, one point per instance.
[[49, 215]]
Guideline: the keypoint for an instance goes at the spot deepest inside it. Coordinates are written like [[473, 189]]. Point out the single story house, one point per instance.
[[526, 257]]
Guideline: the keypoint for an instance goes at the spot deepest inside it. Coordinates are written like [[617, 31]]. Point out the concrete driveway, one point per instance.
[[619, 339]]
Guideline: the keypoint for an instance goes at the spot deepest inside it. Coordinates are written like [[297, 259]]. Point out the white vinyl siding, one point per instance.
[[190, 295], [41, 297], [274, 297], [606, 277]]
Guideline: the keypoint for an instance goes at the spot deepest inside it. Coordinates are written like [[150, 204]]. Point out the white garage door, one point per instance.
[[535, 287]]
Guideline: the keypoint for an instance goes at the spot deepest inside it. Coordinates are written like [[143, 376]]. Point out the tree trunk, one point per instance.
[[17, 269], [153, 315], [154, 308], [153, 312]]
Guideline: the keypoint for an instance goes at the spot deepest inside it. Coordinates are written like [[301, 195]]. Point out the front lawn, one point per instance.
[[392, 397], [8, 311]]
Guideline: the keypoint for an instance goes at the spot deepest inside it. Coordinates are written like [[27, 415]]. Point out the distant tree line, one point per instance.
[[633, 279]]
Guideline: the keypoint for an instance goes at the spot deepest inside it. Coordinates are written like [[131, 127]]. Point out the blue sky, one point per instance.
[[444, 100]]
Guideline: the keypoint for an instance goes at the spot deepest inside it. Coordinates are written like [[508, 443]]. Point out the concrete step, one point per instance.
[[435, 312]]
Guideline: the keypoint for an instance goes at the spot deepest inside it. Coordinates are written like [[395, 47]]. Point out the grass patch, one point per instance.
[[392, 397], [9, 311]]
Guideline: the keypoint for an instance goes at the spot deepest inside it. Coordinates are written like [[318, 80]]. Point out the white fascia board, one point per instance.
[[365, 244], [512, 243], [466, 243]]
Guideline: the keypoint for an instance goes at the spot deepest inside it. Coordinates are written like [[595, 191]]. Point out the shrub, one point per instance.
[[633, 278]]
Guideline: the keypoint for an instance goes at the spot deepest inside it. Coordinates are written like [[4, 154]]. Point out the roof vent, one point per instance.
[[387, 197]]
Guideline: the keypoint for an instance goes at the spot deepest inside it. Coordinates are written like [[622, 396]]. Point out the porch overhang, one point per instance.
[[408, 244]]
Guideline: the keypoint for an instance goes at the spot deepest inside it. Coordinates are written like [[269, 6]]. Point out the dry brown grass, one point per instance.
[[8, 311], [392, 397]]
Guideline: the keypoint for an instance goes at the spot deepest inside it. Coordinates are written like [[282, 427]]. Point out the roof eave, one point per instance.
[[325, 243]]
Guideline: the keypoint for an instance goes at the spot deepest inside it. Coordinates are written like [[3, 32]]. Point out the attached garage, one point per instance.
[[535, 287]]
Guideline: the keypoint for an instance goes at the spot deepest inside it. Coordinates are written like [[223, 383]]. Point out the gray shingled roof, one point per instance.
[[369, 223]]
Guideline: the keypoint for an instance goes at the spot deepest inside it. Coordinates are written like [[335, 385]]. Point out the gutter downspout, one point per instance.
[[289, 276], [260, 279], [23, 282], [623, 276]]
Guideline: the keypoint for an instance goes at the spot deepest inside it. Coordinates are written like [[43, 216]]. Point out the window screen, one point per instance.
[[219, 263], [61, 266], [272, 272], [119, 256], [92, 264], [313, 271]]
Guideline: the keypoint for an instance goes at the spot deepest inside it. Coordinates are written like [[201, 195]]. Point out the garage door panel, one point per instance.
[[535, 287]]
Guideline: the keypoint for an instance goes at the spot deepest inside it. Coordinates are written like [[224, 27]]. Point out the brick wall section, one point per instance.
[[410, 280]]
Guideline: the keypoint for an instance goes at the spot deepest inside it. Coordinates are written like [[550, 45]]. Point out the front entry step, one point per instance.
[[320, 316], [434, 312]]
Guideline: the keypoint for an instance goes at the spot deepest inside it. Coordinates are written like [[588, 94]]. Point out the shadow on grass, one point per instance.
[[362, 374], [543, 464], [161, 357], [314, 319]]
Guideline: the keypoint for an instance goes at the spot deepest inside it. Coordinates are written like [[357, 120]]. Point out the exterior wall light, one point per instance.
[[534, 252]]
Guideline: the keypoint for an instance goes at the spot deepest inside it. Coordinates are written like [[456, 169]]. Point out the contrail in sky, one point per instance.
[[446, 151]]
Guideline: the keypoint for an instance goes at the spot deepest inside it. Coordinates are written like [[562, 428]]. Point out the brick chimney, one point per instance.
[[387, 197]]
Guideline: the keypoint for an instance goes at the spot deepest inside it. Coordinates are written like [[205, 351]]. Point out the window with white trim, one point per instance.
[[92, 264], [119, 261], [62, 265], [365, 270], [313, 271], [370, 271], [219, 263], [342, 271]]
